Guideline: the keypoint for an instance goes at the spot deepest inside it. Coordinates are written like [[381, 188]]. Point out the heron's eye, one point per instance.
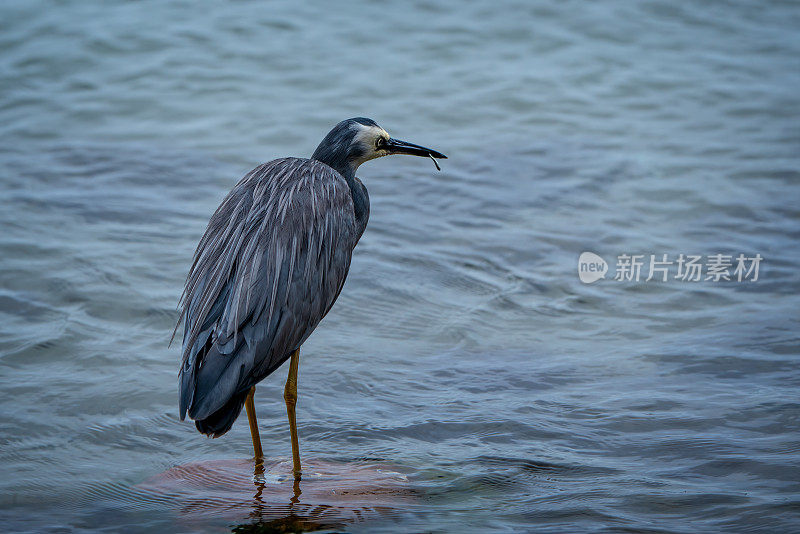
[[379, 143]]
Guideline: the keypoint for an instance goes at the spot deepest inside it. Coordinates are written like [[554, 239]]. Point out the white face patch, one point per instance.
[[367, 136]]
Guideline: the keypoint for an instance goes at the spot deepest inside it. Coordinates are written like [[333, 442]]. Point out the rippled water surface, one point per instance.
[[465, 363]]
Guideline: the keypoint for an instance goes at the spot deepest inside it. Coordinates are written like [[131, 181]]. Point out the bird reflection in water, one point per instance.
[[262, 518], [266, 497]]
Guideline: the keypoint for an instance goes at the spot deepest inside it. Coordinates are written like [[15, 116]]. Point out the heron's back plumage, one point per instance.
[[269, 267]]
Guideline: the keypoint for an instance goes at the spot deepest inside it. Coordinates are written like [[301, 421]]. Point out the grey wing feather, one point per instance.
[[271, 264]]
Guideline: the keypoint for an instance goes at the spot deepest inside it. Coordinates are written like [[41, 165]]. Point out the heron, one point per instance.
[[268, 268]]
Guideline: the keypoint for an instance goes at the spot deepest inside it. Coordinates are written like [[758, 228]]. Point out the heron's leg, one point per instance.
[[290, 396], [251, 418]]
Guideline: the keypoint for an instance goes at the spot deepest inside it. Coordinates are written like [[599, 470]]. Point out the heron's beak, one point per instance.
[[396, 146]]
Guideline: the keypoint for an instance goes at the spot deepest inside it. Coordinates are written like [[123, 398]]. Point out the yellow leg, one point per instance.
[[251, 418], [290, 396]]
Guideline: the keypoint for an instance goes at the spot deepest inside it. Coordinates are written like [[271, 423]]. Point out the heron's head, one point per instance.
[[355, 141]]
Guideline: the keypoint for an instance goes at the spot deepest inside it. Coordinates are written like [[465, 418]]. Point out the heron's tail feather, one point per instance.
[[215, 380], [222, 420]]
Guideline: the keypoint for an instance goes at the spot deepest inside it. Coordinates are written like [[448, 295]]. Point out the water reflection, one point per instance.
[[300, 517], [292, 523], [263, 496]]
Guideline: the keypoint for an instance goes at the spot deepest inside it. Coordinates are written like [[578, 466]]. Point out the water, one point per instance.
[[464, 352]]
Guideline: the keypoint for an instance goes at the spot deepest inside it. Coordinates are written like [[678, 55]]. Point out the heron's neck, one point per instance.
[[360, 198], [357, 189]]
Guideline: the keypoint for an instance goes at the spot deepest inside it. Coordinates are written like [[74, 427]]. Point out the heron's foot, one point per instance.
[[290, 396]]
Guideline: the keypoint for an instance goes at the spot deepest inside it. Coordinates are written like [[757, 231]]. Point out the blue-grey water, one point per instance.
[[464, 351]]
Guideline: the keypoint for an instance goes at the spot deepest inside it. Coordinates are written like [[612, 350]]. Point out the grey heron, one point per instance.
[[270, 265]]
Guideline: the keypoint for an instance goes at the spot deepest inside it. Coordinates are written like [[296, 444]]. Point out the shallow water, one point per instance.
[[464, 351]]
